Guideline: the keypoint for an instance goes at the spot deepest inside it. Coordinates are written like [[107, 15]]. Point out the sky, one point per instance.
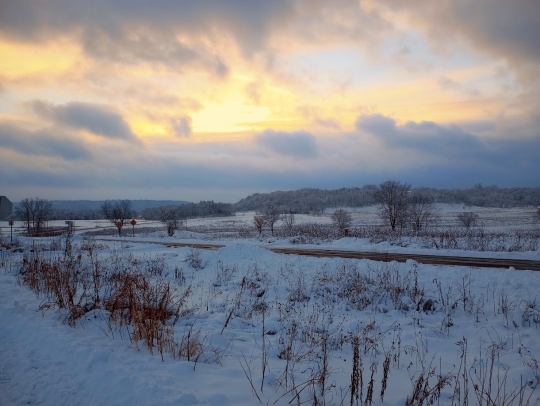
[[218, 99]]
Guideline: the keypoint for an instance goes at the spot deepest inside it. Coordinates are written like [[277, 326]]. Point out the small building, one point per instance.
[[6, 207]]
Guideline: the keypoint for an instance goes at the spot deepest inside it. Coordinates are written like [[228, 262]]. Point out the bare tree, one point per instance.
[[467, 219], [422, 211], [171, 217], [288, 219], [393, 199], [258, 221], [117, 212], [25, 212], [34, 213], [341, 219], [42, 212], [271, 214]]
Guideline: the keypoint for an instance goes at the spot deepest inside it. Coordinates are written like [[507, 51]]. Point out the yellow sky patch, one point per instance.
[[230, 116], [21, 59]]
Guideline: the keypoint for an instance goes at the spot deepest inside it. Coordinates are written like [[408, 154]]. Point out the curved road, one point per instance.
[[519, 264]]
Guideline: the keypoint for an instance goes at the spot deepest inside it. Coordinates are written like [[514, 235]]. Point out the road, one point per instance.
[[519, 264]]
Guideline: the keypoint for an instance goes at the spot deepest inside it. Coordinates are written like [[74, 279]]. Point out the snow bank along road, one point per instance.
[[518, 264]]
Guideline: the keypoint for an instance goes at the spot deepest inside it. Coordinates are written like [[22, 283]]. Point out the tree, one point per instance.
[[271, 214], [468, 219], [171, 217], [422, 212], [288, 219], [258, 221], [393, 199], [42, 212], [341, 219], [34, 213], [25, 212], [117, 212]]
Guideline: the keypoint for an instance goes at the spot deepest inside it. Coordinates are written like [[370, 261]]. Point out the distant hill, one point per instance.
[[317, 200], [137, 205], [91, 209]]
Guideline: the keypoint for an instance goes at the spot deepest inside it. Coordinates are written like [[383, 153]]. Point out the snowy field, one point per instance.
[[490, 218], [244, 326]]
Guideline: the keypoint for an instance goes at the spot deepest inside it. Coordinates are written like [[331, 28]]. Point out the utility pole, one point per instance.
[[11, 222]]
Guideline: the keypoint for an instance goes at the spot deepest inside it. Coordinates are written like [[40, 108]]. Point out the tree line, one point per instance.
[[193, 210], [400, 206], [313, 201]]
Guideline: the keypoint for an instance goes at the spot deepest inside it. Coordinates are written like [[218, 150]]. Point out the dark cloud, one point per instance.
[[426, 136], [153, 47], [376, 124], [182, 126], [41, 143], [115, 23], [300, 143], [452, 143], [97, 119], [504, 28], [228, 169], [141, 178]]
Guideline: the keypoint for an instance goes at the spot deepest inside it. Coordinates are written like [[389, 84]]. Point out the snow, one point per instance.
[[47, 362]]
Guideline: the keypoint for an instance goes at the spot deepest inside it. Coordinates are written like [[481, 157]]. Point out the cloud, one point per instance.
[[153, 47], [328, 123], [452, 144], [315, 113], [502, 28], [447, 83], [229, 170], [299, 144], [114, 23], [426, 136], [97, 119], [182, 126], [41, 143], [253, 92], [376, 124]]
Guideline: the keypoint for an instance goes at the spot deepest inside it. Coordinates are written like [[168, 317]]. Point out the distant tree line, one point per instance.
[[486, 196], [86, 214], [308, 200], [313, 201], [192, 210]]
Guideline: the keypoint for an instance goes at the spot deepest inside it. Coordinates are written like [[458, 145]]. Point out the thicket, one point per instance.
[[136, 297], [192, 210]]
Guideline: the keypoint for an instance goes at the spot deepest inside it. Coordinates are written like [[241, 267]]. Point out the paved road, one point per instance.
[[519, 264]]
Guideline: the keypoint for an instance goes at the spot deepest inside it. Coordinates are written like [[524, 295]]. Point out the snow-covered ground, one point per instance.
[[490, 218], [295, 318]]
